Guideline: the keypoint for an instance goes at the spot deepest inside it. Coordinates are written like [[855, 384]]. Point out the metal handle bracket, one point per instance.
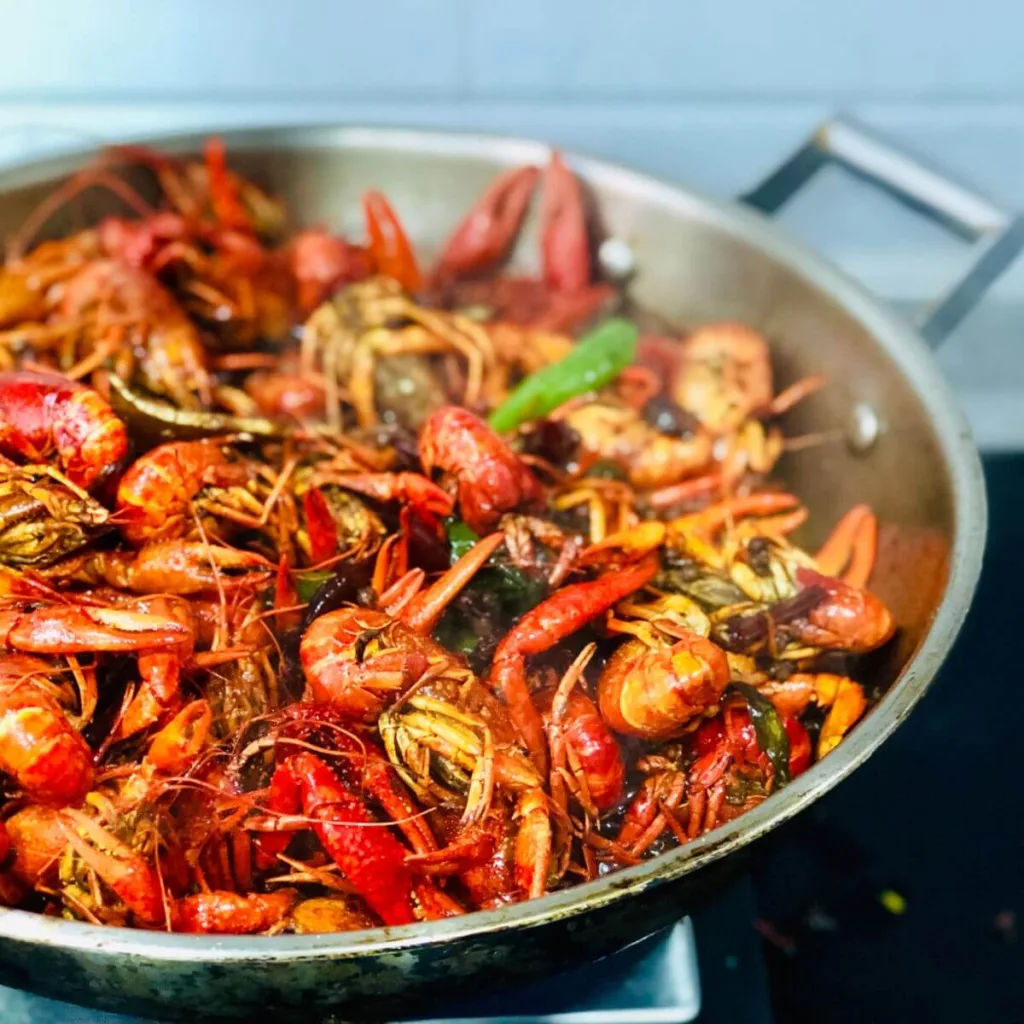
[[996, 234]]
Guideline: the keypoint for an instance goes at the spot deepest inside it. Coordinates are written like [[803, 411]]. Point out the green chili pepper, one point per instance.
[[308, 583], [770, 730], [594, 361], [153, 422]]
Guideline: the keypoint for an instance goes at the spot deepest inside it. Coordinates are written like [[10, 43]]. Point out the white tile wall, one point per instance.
[[514, 49], [778, 49], [229, 48]]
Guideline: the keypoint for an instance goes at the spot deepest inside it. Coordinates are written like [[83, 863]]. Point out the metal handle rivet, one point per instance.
[[616, 259], [865, 427]]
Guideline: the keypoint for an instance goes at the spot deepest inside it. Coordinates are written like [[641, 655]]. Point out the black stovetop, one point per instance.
[[933, 819]]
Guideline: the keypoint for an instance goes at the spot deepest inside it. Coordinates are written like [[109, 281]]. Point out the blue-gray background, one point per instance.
[[710, 92]]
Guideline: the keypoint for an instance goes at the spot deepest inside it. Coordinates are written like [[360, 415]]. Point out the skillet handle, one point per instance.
[[997, 235]]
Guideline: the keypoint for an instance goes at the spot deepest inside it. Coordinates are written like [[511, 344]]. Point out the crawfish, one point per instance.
[[565, 294], [141, 888], [722, 375], [129, 314], [453, 740], [36, 841], [454, 744], [369, 856], [361, 765], [43, 516], [785, 587], [207, 193], [162, 491], [240, 295], [137, 854], [848, 618], [27, 283], [219, 271], [210, 203], [561, 615], [433, 714], [243, 634], [360, 659], [46, 416], [373, 326], [614, 431], [728, 773], [482, 855], [174, 567], [39, 747], [583, 748], [666, 675], [489, 477], [733, 772], [286, 393], [321, 263]]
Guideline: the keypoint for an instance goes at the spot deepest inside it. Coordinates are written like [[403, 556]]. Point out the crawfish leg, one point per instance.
[[485, 235], [128, 874], [380, 782], [43, 753], [368, 854], [508, 679], [435, 903], [159, 693], [848, 705], [851, 546], [566, 242], [426, 609], [283, 798], [533, 843]]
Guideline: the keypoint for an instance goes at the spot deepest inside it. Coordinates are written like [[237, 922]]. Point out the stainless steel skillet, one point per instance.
[[906, 449]]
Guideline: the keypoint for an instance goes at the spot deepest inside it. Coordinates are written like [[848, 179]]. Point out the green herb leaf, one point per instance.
[[510, 592], [460, 537], [517, 590], [308, 583], [770, 730], [464, 643], [595, 360]]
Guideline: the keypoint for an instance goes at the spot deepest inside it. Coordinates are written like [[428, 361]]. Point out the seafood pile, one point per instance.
[[339, 591]]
